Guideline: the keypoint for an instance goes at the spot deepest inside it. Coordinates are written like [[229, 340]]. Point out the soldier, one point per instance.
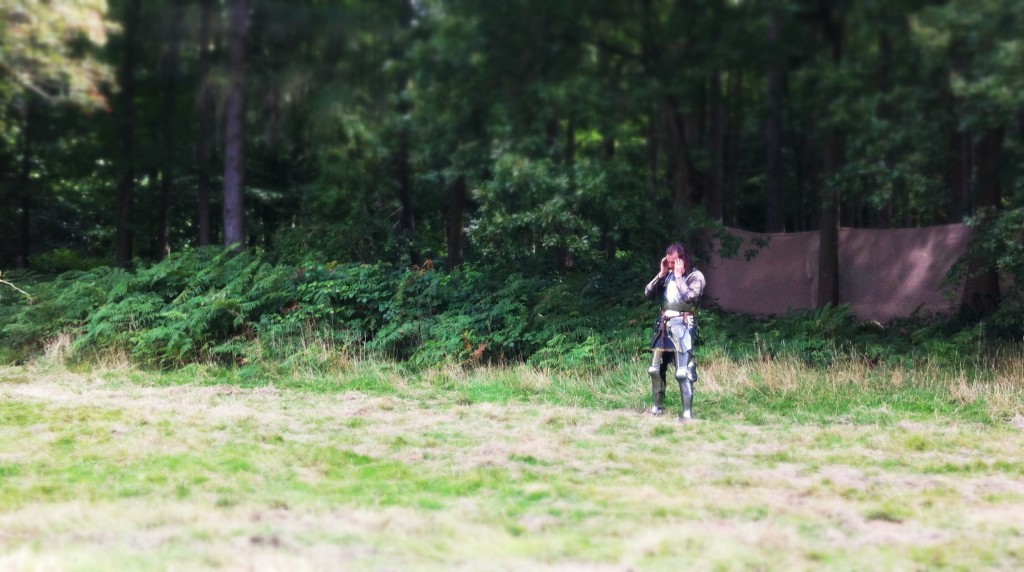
[[680, 286]]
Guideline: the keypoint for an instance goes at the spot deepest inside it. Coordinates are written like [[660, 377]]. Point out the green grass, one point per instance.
[[378, 466]]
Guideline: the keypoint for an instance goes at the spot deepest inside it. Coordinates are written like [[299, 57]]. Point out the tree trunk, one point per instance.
[[607, 227], [681, 172], [234, 134], [456, 221], [828, 249], [775, 211], [716, 136], [402, 171], [695, 138], [988, 155], [8, 210], [981, 291], [958, 173], [205, 127], [653, 145], [25, 191], [608, 244], [828, 253], [170, 81], [733, 137], [802, 178], [400, 163], [124, 246]]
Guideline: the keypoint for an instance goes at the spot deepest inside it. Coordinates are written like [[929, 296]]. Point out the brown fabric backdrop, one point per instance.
[[883, 273]]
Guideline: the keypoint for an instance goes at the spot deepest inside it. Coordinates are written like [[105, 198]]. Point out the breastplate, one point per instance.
[[674, 297]]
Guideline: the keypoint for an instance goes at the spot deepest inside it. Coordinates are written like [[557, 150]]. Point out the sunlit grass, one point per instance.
[[378, 466]]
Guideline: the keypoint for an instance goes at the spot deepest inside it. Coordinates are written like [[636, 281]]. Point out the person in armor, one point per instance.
[[680, 286]]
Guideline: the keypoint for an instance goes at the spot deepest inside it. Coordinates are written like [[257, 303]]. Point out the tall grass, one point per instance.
[[755, 390]]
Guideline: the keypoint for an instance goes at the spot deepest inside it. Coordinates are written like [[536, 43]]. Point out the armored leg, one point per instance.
[[686, 390], [681, 333], [657, 372]]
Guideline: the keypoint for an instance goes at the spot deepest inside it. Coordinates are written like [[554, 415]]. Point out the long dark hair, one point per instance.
[[683, 253]]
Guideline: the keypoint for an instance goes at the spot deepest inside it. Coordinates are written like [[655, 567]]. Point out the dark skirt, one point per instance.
[[660, 340]]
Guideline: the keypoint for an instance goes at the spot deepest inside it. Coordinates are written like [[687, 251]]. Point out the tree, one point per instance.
[[41, 57], [775, 212], [979, 44], [579, 131], [234, 134], [830, 16], [204, 123], [124, 248], [25, 185], [170, 64]]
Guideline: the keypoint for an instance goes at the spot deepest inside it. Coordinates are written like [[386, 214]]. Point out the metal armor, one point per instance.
[[681, 331]]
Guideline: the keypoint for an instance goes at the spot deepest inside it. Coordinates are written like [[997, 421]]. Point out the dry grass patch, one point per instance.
[[1003, 392]]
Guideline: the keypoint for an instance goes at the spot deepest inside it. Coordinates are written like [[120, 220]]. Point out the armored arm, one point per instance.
[[654, 287], [692, 286]]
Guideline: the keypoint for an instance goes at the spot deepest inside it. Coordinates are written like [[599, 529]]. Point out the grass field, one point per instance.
[[366, 466]]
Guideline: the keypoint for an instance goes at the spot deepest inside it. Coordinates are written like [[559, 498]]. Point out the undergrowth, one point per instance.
[[214, 306]]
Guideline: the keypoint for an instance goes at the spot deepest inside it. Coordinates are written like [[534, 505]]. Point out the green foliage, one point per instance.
[[467, 315], [341, 303], [60, 260], [211, 303], [360, 241], [193, 305], [62, 305], [983, 39], [216, 305], [539, 210], [999, 239], [13, 287], [43, 49], [829, 336]]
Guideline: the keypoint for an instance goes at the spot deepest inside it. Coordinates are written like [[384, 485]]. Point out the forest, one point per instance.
[[358, 284], [511, 148]]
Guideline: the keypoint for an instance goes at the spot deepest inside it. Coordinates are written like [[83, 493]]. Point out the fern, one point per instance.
[[214, 304], [60, 306]]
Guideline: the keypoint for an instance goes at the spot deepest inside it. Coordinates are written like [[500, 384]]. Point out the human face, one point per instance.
[[675, 263]]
